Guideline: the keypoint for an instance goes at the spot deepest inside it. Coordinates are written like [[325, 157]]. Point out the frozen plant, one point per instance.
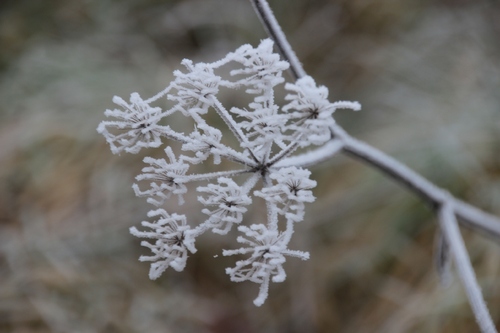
[[268, 135]]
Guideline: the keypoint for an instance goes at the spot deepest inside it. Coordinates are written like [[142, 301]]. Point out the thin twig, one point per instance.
[[232, 125], [273, 29], [449, 227], [449, 207], [312, 157], [442, 259], [469, 215], [285, 152], [206, 176]]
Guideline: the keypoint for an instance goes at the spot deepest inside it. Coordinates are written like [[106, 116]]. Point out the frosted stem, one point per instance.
[[172, 135], [469, 216], [160, 94], [449, 227], [211, 175], [287, 151], [274, 31], [272, 210], [232, 125], [443, 260], [312, 157], [250, 183]]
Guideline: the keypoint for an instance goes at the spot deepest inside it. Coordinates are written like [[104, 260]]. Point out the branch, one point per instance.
[[470, 216], [226, 117], [273, 29], [207, 176], [454, 239], [449, 207], [312, 157]]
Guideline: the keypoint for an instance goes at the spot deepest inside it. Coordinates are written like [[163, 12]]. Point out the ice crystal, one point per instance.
[[291, 191], [167, 178], [267, 134], [136, 126], [311, 112], [172, 242], [229, 201], [268, 249]]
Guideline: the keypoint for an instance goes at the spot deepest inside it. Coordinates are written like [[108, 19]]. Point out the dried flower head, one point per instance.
[[267, 135]]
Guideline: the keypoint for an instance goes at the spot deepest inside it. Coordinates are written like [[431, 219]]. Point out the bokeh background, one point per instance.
[[427, 74]]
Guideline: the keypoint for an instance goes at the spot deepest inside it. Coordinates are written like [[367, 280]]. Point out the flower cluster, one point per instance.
[[267, 134]]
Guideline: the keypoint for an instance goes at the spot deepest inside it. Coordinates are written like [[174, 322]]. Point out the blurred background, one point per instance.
[[427, 74]]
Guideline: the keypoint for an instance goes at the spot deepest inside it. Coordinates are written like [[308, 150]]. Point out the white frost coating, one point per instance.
[[172, 242], [194, 88], [443, 260], [291, 191], [267, 249], [312, 157], [267, 135], [136, 126], [468, 214], [166, 177], [229, 201], [311, 111], [262, 68], [449, 227], [203, 145], [476, 218], [274, 30]]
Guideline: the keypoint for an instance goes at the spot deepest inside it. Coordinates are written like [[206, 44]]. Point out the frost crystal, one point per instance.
[[136, 126], [229, 201], [311, 112], [167, 177], [172, 242], [268, 249], [267, 136], [292, 189]]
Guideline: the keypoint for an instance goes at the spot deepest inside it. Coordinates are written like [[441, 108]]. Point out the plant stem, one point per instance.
[[206, 176], [273, 29], [233, 126], [469, 215], [449, 207], [449, 227]]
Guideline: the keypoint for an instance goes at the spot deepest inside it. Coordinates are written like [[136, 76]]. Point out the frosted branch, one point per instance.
[[470, 216], [449, 227], [267, 137], [274, 31]]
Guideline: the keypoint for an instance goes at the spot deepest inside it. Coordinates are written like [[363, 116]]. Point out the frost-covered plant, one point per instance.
[[268, 135]]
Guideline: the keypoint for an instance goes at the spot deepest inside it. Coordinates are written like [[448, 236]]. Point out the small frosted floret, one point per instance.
[[194, 88], [136, 125], [172, 242], [262, 68], [263, 124], [267, 249], [291, 190], [203, 144], [229, 201], [310, 111], [167, 179]]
